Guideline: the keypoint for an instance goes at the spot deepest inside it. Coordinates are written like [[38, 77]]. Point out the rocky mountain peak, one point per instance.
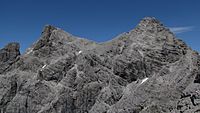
[[45, 37], [151, 25], [9, 55], [150, 21], [10, 52], [13, 47], [48, 29], [147, 70]]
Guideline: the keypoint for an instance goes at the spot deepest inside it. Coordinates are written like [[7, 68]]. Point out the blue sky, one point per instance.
[[98, 20]]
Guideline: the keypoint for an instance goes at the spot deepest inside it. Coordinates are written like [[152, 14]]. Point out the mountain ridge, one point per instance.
[[145, 70]]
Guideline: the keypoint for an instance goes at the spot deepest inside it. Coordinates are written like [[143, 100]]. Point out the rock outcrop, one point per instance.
[[8, 56], [145, 70]]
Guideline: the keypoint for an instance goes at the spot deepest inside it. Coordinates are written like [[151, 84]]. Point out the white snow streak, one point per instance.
[[79, 52], [29, 51], [44, 66], [144, 80]]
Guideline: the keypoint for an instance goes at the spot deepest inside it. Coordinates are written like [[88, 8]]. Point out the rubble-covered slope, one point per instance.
[[146, 70]]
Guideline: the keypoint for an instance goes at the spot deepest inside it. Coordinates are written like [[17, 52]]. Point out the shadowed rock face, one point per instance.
[[146, 70]]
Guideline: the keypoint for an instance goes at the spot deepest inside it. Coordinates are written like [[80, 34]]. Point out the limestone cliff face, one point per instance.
[[146, 70]]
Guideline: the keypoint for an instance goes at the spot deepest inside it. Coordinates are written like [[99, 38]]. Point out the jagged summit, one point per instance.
[[147, 70], [9, 55], [10, 52], [147, 24], [150, 21], [12, 47], [152, 26], [48, 29], [45, 38]]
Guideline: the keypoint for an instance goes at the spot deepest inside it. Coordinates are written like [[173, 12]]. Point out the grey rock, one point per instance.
[[8, 56], [145, 70]]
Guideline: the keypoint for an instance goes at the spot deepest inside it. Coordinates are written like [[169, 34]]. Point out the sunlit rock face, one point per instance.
[[145, 70]]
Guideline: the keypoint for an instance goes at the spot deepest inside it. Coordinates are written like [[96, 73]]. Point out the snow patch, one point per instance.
[[29, 51], [79, 52], [144, 80], [141, 53], [44, 66]]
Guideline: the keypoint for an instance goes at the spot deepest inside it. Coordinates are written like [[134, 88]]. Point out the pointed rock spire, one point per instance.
[[150, 21], [8, 55], [46, 33], [48, 29], [9, 52], [151, 24]]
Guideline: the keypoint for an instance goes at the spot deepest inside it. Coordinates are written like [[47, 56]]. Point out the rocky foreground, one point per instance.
[[146, 70]]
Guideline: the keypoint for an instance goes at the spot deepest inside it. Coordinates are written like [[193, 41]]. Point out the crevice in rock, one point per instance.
[[197, 79], [7, 98], [26, 102]]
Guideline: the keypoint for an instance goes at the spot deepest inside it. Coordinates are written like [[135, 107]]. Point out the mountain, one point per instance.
[[145, 70]]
